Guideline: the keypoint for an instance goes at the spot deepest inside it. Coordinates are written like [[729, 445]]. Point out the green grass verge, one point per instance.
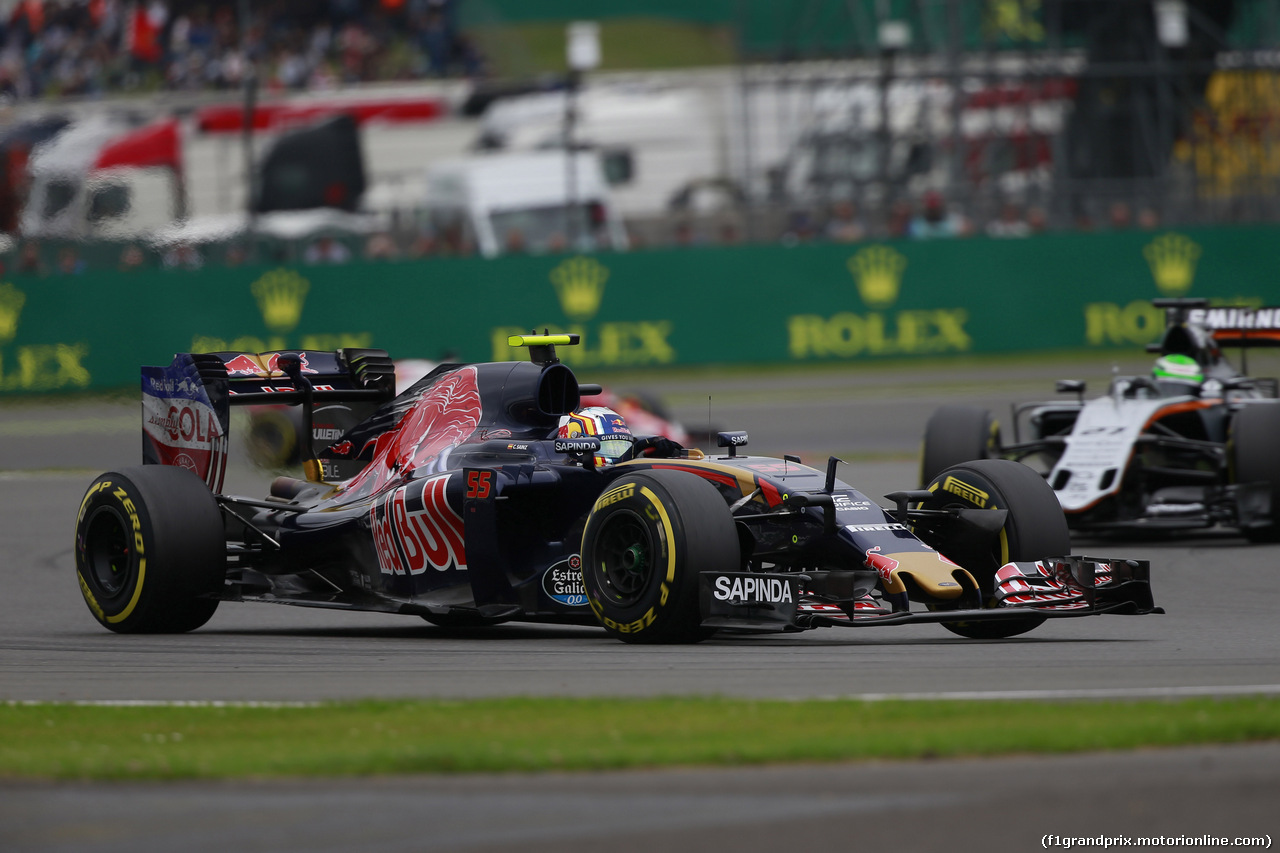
[[61, 741], [521, 50]]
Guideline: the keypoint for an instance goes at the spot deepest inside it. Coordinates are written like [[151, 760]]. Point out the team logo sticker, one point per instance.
[[563, 582]]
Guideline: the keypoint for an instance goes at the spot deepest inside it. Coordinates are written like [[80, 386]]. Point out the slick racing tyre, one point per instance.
[[1255, 458], [276, 437], [647, 538], [1035, 528], [273, 436], [150, 550], [957, 433]]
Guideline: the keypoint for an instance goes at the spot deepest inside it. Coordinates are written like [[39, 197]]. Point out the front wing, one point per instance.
[[1053, 588]]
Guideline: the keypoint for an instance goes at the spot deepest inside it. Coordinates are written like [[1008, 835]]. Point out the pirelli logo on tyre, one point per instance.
[[628, 627], [614, 495], [630, 583], [108, 497], [960, 488]]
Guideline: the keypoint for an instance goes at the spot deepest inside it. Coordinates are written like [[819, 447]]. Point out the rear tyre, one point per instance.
[[273, 436], [1255, 458], [150, 550], [957, 433], [1035, 528], [646, 540]]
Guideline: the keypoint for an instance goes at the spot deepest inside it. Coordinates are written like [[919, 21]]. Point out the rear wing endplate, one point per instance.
[[186, 405]]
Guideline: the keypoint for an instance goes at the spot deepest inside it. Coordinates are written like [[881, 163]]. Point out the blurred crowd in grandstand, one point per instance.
[[841, 222], [90, 48], [96, 47]]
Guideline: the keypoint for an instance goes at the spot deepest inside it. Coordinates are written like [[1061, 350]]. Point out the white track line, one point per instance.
[[974, 695], [166, 703], [1100, 693]]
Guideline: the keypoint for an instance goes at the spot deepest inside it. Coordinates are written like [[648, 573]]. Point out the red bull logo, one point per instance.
[[263, 365], [883, 564], [442, 418]]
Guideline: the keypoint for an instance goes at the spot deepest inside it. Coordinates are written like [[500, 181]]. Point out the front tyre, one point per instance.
[[1035, 528], [150, 550], [955, 434], [1255, 458], [646, 540]]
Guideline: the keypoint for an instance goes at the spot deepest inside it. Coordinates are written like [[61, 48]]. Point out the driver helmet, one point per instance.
[[605, 424], [1177, 368]]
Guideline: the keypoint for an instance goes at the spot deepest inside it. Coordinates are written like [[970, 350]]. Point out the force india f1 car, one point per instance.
[[458, 501], [1188, 451]]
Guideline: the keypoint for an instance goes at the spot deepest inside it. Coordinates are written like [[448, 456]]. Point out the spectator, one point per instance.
[[899, 220], [436, 41], [132, 258], [556, 243], [513, 242], [1119, 215], [1148, 219], [8, 89], [87, 47], [730, 233], [235, 255], [423, 245], [355, 50], [935, 220], [381, 247], [70, 262], [326, 250], [1010, 223], [800, 228], [683, 234], [1037, 220], [182, 256], [29, 260], [845, 226]]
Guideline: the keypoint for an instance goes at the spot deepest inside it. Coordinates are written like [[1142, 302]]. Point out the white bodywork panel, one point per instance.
[[1102, 440]]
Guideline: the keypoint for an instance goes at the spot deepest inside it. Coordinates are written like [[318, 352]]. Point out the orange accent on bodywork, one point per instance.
[[929, 573], [1189, 406]]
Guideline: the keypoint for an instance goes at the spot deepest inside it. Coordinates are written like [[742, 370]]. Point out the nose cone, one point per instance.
[[924, 573]]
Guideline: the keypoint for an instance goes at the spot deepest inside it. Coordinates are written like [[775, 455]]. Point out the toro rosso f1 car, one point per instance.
[[462, 502], [275, 436], [1192, 445]]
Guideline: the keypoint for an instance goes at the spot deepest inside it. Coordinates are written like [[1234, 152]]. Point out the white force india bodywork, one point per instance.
[[1101, 445], [1159, 451]]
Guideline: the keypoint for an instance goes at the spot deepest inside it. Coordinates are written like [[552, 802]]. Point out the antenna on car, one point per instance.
[[708, 424], [830, 485], [542, 348]]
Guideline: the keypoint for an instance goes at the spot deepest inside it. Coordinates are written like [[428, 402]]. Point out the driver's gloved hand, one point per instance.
[[658, 446]]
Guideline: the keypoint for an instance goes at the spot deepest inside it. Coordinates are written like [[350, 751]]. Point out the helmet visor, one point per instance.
[[612, 447]]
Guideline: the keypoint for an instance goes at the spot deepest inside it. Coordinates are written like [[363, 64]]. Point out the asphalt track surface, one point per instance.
[[1219, 637]]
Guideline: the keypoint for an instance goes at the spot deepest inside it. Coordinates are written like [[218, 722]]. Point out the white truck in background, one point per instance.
[[193, 167], [638, 145], [75, 193], [546, 201], [654, 142]]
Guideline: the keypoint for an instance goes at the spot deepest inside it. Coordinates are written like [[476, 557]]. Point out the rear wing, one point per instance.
[[1240, 327], [1193, 322], [186, 406]]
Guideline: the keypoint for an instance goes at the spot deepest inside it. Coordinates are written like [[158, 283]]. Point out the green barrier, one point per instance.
[[771, 28], [751, 304]]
